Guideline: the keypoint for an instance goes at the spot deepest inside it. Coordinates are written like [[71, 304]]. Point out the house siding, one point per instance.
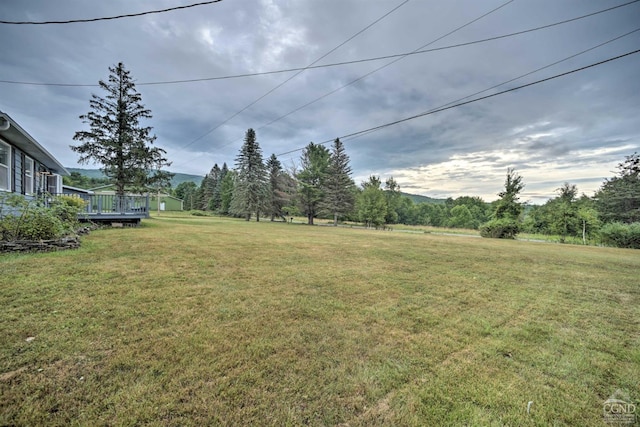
[[18, 166], [17, 174]]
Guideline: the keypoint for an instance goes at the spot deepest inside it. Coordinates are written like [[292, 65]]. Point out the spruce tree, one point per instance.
[[117, 140], [618, 200], [214, 181], [279, 188], [339, 188], [217, 191], [311, 179], [250, 191]]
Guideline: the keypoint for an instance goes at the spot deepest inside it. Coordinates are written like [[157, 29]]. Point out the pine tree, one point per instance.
[[214, 182], [311, 179], [116, 139], [618, 200], [505, 223], [339, 188], [280, 188], [217, 191], [250, 191]]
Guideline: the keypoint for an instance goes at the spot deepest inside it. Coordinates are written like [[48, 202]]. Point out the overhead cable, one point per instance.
[[296, 74], [426, 113], [335, 64], [375, 70], [521, 76], [107, 18]]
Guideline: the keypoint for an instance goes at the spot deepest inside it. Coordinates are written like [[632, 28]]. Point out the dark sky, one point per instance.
[[571, 129]]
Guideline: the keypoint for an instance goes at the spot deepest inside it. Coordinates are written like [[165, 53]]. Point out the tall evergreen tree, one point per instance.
[[214, 181], [339, 188], [619, 197], [279, 188], [217, 191], [226, 192], [311, 179], [250, 192], [117, 140]]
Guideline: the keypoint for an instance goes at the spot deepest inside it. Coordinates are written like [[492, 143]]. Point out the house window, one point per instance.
[[5, 167], [28, 175], [54, 184]]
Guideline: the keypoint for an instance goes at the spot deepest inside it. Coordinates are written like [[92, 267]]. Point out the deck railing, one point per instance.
[[113, 204]]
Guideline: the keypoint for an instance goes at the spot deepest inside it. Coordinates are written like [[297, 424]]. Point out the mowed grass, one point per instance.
[[212, 321]]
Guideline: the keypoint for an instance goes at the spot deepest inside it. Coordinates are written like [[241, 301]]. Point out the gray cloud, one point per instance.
[[574, 129]]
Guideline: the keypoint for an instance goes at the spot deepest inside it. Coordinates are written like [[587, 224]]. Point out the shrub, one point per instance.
[[505, 228], [621, 235], [198, 213], [21, 219]]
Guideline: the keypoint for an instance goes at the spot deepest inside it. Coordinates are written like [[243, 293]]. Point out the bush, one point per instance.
[[621, 235], [504, 228], [21, 219]]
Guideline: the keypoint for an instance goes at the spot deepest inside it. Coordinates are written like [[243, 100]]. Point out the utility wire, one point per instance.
[[426, 113], [519, 77], [334, 64], [375, 70], [130, 15], [296, 74]]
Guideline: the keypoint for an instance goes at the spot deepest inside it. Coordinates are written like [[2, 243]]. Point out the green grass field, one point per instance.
[[213, 321]]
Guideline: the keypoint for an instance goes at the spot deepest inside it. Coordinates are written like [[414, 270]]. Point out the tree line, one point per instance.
[[322, 186]]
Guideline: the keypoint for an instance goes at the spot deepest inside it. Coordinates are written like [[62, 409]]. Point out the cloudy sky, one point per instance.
[[571, 129]]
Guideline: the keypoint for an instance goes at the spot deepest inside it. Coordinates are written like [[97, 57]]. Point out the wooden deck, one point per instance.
[[113, 208]]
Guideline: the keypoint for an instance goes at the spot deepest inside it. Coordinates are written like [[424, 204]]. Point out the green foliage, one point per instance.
[[506, 218], [503, 228], [251, 186], [618, 200], [282, 189], [76, 179], [371, 204], [115, 138], [186, 191], [21, 219], [339, 186], [311, 179], [508, 205], [226, 192], [621, 235]]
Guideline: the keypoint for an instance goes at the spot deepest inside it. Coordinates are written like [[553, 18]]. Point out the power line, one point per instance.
[[520, 76], [129, 15], [296, 74], [427, 113], [335, 64], [375, 70]]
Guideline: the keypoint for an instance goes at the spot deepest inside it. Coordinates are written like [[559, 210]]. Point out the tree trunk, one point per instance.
[[258, 216], [584, 232], [335, 219], [310, 219]]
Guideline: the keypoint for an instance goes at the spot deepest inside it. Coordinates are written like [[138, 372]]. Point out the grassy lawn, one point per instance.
[[212, 321]]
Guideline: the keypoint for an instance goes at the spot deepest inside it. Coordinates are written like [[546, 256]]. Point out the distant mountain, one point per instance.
[[177, 178], [422, 199]]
